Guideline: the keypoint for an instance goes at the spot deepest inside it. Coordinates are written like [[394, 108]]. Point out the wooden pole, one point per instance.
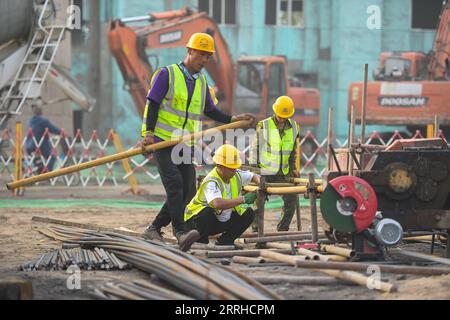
[[351, 140], [278, 238], [330, 138], [260, 203], [364, 105], [313, 209], [297, 198], [436, 125], [123, 155]]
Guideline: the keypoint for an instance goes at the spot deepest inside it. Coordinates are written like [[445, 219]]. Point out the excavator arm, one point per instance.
[[165, 30], [439, 65]]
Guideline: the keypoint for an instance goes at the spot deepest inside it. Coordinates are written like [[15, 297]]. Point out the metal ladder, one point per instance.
[[35, 65]]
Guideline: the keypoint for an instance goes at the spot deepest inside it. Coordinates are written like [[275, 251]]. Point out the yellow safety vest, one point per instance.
[[198, 203], [275, 150], [174, 115]]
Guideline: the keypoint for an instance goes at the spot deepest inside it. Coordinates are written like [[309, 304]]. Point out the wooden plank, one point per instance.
[[12, 288]]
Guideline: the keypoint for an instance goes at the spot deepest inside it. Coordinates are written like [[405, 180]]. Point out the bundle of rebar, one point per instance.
[[96, 259], [137, 290], [193, 277]]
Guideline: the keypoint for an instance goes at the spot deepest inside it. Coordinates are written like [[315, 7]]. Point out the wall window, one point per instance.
[[425, 14], [222, 11], [284, 13]]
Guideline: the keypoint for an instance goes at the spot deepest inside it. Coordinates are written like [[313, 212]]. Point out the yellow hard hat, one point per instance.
[[284, 107], [202, 42], [227, 156], [213, 95]]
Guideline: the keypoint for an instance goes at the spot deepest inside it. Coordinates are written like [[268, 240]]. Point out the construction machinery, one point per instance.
[[28, 47], [410, 88], [402, 188], [251, 85]]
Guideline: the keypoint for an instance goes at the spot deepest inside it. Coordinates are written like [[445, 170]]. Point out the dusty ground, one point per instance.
[[20, 244]]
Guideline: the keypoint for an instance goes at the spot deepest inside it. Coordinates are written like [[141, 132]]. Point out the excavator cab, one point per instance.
[[401, 66], [259, 82]]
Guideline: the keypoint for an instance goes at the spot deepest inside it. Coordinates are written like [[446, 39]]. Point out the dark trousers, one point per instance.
[[289, 204], [179, 183], [206, 223]]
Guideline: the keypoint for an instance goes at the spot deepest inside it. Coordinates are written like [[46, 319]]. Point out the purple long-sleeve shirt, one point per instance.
[[158, 91]]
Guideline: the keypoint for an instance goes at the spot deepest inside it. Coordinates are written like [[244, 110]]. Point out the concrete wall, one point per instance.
[[334, 43]]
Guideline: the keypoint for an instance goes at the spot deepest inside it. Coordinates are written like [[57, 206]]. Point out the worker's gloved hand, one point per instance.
[[249, 198], [148, 140], [244, 116]]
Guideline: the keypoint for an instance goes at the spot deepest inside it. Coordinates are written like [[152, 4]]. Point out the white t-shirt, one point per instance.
[[212, 192]]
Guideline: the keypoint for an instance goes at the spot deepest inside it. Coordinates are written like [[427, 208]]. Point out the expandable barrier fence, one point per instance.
[[62, 150]]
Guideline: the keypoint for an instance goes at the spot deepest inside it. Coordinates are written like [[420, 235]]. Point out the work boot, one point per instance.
[[154, 234], [186, 239], [218, 244]]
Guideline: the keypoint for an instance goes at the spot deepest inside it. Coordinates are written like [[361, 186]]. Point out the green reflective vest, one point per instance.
[[275, 150], [198, 203], [175, 117]]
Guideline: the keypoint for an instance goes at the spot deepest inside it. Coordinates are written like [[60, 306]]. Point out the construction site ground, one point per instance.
[[19, 243]]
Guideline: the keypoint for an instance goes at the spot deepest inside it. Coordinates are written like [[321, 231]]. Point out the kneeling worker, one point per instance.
[[216, 208]]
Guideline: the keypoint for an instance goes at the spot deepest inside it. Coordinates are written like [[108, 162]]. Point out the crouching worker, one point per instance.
[[216, 208]]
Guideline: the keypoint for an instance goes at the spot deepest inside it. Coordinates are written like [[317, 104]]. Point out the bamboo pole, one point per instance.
[[430, 131], [242, 253], [303, 180], [125, 154], [302, 280], [278, 233], [436, 125], [126, 165], [338, 250], [278, 190], [18, 157], [248, 260], [319, 266], [310, 254], [293, 237]]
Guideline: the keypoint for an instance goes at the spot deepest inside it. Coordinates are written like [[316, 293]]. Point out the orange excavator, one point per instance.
[[250, 85], [410, 88]]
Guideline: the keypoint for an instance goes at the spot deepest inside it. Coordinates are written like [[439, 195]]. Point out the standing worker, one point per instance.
[[38, 125], [216, 208], [177, 99], [275, 152]]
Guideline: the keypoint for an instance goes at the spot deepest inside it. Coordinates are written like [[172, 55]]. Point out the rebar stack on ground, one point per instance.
[[193, 277], [137, 290], [97, 259]]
